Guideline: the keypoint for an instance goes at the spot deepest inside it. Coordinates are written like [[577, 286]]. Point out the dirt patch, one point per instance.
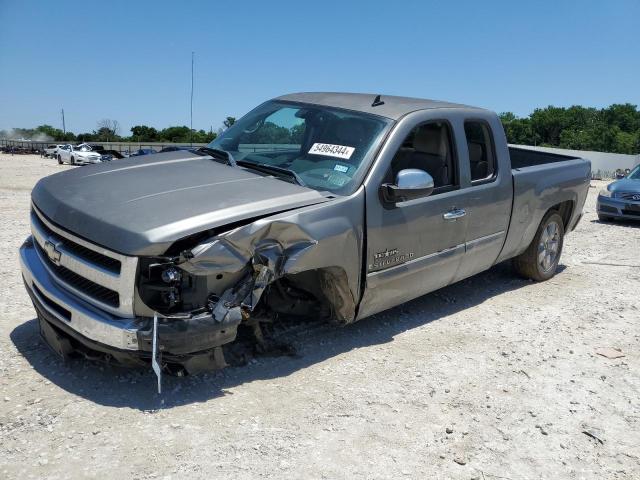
[[493, 377]]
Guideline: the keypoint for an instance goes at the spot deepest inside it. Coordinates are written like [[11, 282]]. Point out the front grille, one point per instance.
[[91, 256], [628, 196], [100, 293], [97, 275]]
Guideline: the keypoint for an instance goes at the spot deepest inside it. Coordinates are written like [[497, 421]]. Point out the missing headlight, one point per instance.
[[161, 284]]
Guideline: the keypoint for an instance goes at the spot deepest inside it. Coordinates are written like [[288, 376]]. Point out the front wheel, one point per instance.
[[73, 161], [60, 160], [540, 260]]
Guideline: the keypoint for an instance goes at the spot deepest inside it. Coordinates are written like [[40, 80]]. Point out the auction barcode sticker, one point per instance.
[[339, 151]]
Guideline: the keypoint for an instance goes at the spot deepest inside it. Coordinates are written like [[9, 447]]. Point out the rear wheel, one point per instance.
[[73, 161], [540, 260]]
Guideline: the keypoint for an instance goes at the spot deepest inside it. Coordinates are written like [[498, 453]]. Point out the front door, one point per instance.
[[416, 246]]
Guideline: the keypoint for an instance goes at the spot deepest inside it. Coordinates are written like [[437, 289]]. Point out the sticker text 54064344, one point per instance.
[[330, 150]]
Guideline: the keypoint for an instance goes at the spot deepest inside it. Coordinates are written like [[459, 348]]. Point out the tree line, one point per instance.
[[108, 130], [614, 129]]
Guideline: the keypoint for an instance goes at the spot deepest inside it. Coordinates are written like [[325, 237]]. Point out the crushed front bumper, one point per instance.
[[70, 324]]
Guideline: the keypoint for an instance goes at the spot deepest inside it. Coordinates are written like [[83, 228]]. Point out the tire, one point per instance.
[[60, 160], [604, 218], [540, 260], [73, 161]]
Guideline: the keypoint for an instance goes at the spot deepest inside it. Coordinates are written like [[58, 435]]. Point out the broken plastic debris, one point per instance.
[[609, 352], [155, 365]]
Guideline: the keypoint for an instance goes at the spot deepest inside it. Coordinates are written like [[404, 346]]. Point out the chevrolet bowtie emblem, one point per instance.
[[51, 251]]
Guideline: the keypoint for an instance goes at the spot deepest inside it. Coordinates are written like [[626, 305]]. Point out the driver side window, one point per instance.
[[429, 147]]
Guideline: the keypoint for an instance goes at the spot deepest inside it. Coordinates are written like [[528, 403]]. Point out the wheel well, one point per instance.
[[322, 293], [565, 210]]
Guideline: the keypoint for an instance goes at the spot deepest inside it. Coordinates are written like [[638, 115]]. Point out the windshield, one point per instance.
[[635, 173], [329, 148]]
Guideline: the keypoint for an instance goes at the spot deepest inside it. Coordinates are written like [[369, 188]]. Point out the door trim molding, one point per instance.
[[481, 240], [415, 263]]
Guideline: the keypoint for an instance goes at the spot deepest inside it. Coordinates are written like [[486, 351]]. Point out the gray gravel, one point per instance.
[[494, 377]]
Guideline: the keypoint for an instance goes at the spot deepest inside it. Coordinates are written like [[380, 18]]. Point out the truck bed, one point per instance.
[[523, 157], [541, 181]]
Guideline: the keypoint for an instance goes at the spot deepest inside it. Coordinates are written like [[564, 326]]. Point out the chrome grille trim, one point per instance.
[[123, 283], [626, 195]]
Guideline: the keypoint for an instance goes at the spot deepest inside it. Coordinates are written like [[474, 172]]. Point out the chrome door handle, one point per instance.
[[454, 214]]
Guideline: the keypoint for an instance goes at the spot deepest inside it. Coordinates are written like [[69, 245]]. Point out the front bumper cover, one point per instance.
[[86, 329], [615, 207]]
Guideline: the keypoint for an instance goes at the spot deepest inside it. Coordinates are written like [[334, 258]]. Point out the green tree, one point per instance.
[[296, 133], [174, 134], [142, 133], [624, 116]]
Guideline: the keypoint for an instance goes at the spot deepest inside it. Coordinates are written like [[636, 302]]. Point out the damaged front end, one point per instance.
[[207, 287]]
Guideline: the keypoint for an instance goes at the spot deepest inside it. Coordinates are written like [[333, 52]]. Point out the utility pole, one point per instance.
[[64, 128], [191, 116]]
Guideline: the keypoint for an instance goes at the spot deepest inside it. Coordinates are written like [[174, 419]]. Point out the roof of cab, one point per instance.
[[393, 107]]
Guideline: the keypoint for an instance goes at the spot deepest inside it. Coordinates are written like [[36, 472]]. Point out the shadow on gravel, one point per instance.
[[118, 387]]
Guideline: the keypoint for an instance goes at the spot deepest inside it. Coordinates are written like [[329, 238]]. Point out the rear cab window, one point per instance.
[[482, 157]]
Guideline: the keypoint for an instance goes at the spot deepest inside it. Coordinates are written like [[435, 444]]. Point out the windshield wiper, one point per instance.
[[265, 167], [219, 153]]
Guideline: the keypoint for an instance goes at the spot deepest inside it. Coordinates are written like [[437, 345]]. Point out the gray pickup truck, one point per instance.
[[326, 205]]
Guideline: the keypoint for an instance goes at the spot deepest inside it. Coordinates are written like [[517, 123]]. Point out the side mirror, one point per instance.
[[411, 183]]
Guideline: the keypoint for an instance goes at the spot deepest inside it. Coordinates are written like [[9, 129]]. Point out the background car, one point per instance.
[[178, 148], [143, 151], [102, 151], [621, 199], [81, 154], [51, 151]]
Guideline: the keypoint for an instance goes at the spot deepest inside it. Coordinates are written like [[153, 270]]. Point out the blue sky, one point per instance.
[[130, 60]]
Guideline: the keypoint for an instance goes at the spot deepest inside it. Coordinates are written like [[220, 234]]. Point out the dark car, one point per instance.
[[102, 151], [178, 148], [143, 151], [621, 199]]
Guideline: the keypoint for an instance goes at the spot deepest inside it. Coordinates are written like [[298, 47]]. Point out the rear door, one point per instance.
[[489, 192]]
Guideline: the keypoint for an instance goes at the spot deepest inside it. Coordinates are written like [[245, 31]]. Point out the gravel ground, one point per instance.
[[494, 377]]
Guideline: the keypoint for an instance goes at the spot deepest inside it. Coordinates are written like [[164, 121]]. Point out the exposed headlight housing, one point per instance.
[[605, 192], [161, 284]]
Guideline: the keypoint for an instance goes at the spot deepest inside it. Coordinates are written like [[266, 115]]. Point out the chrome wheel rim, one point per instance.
[[549, 246]]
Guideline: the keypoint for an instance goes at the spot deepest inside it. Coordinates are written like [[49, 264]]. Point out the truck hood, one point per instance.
[[140, 206]]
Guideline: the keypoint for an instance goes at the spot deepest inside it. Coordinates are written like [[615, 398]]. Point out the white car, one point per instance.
[[79, 155], [52, 151]]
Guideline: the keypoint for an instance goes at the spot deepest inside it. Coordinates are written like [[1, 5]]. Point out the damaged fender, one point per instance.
[[325, 239]]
